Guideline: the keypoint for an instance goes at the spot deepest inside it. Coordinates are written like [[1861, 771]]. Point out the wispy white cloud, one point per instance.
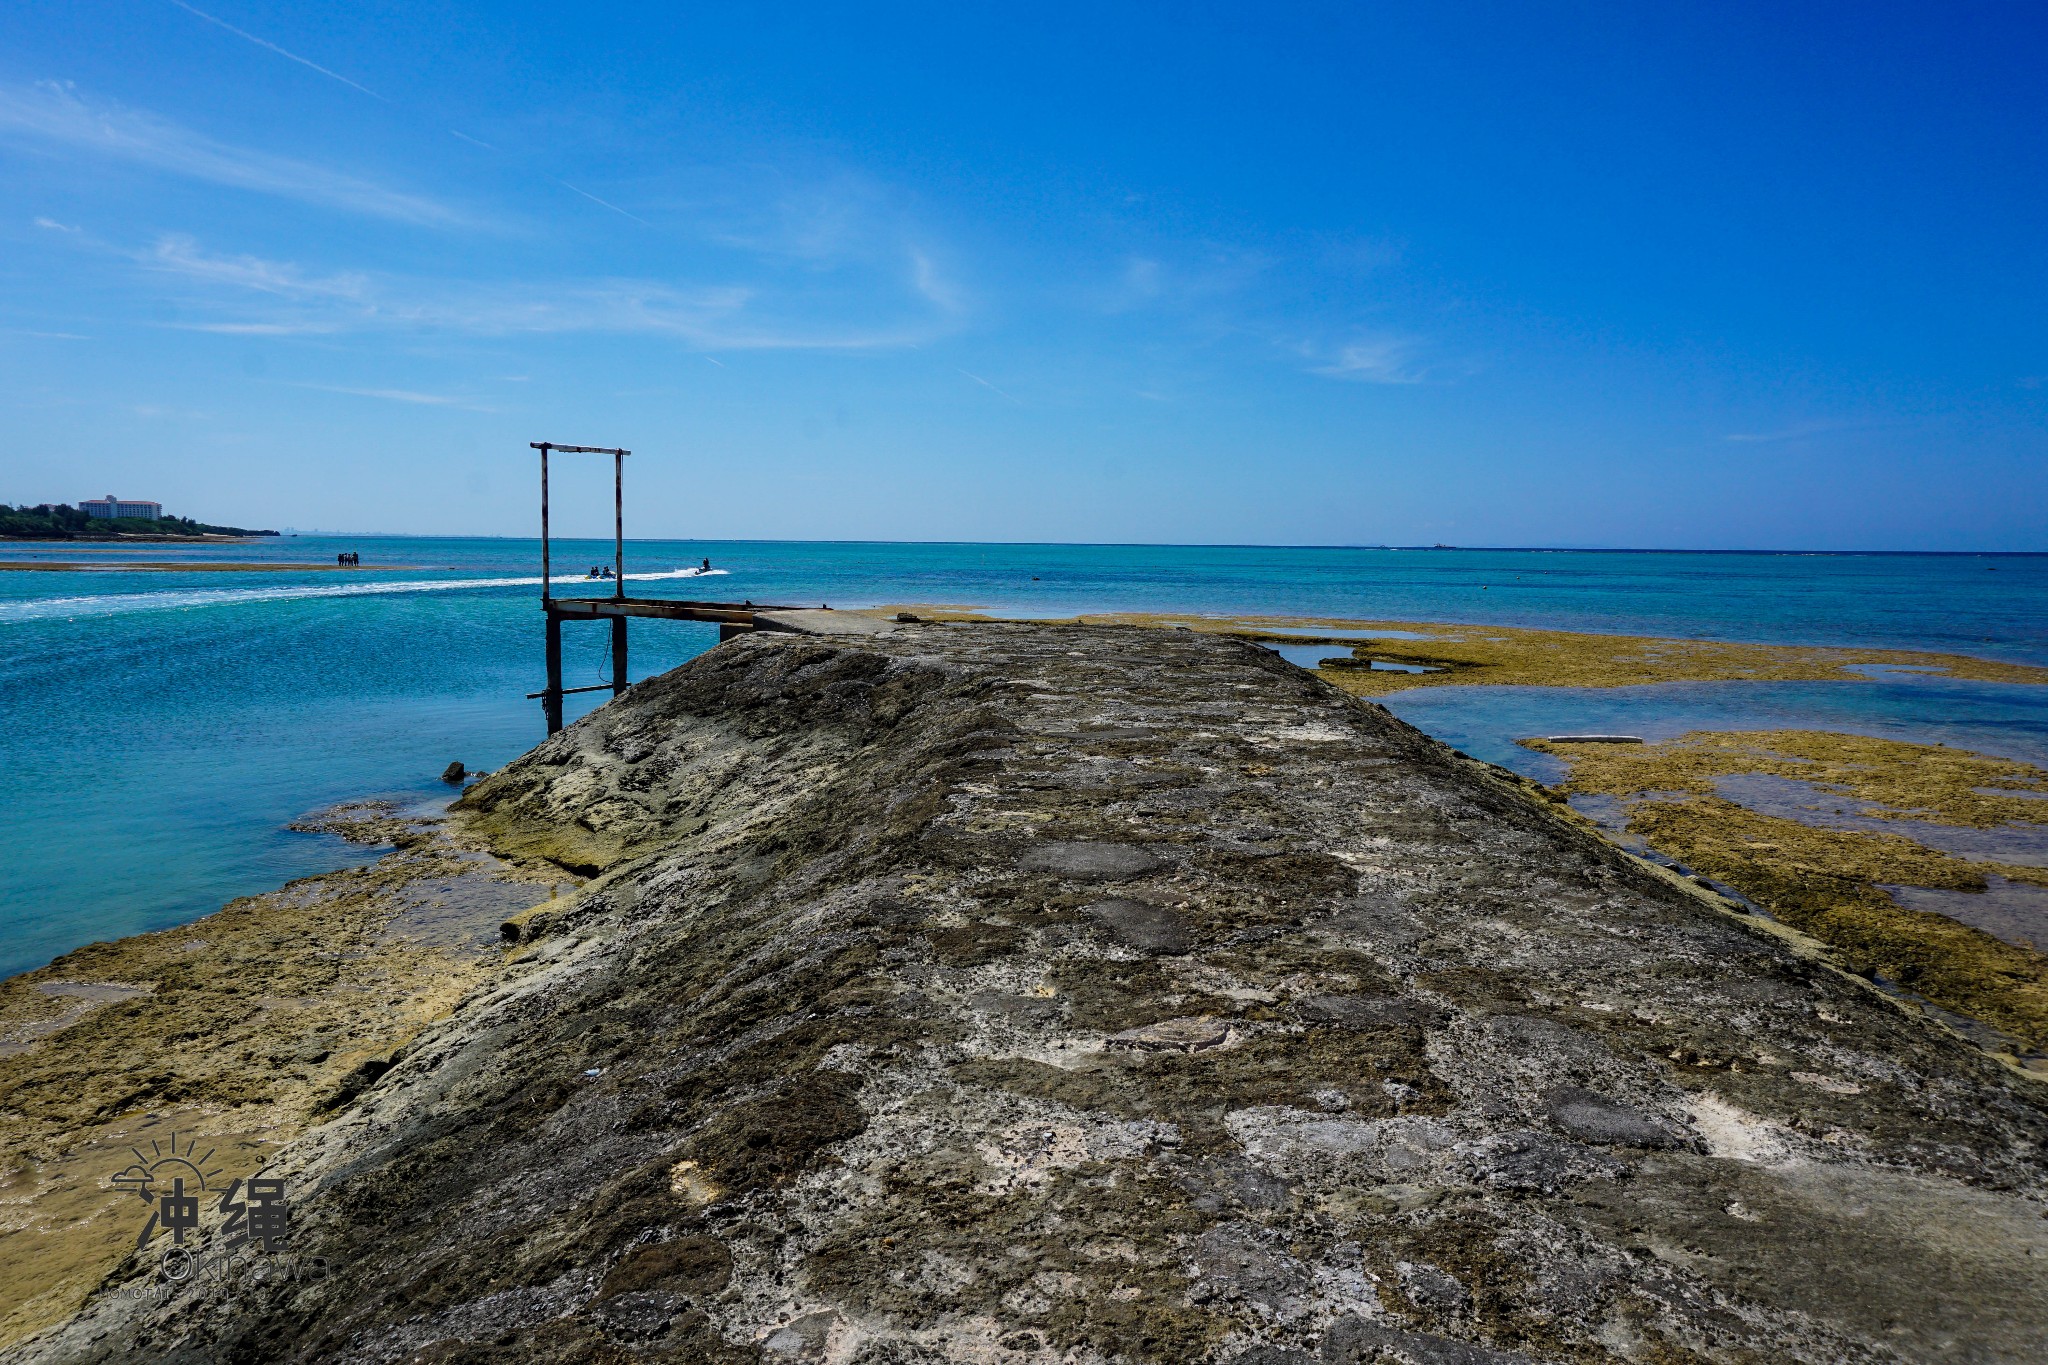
[[54, 114], [821, 217], [825, 220], [1209, 280], [182, 256], [1798, 431], [1142, 278], [928, 281], [723, 317], [1374, 360], [253, 329], [52, 225], [273, 47], [432, 400]]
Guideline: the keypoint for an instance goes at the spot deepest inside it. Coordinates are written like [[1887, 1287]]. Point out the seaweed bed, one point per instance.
[[1831, 882], [1483, 655], [227, 1036], [1079, 993]]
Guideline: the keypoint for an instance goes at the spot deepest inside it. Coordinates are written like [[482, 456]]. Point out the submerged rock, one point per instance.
[[842, 1055]]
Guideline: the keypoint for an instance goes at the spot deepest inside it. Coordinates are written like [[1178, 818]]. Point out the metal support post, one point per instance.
[[551, 700], [619, 571], [618, 656], [542, 447]]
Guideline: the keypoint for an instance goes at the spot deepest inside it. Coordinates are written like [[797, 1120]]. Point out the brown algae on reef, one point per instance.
[[1829, 882], [223, 1038], [1468, 655]]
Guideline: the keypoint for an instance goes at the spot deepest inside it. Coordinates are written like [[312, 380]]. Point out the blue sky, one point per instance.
[[1717, 276]]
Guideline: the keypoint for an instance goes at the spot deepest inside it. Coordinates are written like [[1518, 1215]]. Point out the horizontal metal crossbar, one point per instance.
[[662, 608], [594, 687]]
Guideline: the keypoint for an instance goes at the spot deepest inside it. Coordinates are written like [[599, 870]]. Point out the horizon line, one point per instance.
[[1188, 545]]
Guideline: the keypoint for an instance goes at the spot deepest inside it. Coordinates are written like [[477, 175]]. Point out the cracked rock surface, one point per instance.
[[1085, 994]]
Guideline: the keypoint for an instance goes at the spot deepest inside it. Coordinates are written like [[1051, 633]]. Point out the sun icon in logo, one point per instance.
[[172, 1180]]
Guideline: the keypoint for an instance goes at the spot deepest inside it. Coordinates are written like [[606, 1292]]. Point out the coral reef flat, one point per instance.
[[1438, 654], [1079, 993], [1836, 872], [227, 1036]]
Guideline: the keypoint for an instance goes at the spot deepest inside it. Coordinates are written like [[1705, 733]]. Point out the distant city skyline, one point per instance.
[[1607, 276]]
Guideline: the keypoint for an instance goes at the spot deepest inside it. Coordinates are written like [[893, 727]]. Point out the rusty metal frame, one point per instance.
[[618, 510], [731, 618], [551, 698]]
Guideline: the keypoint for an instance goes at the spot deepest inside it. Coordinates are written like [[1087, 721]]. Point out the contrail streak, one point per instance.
[[273, 47]]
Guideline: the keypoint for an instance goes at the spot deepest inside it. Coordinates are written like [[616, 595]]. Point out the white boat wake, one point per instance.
[[118, 604]]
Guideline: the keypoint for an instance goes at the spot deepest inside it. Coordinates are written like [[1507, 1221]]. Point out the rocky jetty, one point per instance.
[[1006, 993]]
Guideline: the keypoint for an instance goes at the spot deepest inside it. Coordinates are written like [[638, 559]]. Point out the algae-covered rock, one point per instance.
[[1011, 993]]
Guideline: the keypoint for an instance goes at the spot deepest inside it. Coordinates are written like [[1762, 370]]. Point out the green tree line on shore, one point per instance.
[[57, 521]]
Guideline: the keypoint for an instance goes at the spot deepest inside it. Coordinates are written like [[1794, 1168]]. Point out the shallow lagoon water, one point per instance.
[[2021, 845], [2006, 719], [158, 730], [1311, 656]]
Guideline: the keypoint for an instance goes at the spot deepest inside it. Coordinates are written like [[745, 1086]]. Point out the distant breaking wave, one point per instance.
[[118, 604]]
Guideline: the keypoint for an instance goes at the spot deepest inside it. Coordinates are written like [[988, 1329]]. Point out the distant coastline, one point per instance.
[[189, 566], [139, 544], [58, 522]]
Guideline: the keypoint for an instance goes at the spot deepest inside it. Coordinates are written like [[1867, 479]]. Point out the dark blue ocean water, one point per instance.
[[158, 730]]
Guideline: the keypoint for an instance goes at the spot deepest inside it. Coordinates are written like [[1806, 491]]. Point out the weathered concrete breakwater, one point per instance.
[[1050, 993]]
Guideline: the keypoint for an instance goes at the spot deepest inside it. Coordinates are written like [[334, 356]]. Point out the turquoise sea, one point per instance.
[[158, 730]]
